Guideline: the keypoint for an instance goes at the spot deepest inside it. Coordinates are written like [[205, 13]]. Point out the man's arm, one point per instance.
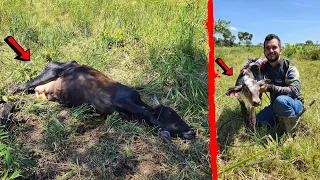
[[292, 81]]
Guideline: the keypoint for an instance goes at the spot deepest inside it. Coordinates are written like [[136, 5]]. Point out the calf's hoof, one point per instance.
[[165, 135]]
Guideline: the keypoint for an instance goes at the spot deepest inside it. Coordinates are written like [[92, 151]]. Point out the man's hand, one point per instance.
[[263, 88]]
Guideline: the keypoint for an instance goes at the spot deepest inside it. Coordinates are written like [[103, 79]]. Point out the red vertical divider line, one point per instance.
[[214, 148]]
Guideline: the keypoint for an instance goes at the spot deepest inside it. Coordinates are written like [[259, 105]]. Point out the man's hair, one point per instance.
[[270, 37]]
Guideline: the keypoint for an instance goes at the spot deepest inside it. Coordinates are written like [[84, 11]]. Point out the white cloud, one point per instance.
[[233, 28], [304, 5]]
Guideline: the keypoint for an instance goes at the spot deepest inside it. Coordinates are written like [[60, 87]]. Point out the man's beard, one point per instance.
[[274, 58]]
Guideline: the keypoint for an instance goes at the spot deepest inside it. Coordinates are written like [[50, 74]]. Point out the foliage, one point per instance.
[[8, 162], [221, 28], [307, 52], [245, 38], [309, 42]]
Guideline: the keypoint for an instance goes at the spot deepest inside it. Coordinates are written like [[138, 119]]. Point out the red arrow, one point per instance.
[[226, 70], [22, 55]]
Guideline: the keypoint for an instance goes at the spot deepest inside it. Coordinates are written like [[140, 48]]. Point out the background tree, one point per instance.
[[309, 42], [221, 28], [245, 38], [260, 44]]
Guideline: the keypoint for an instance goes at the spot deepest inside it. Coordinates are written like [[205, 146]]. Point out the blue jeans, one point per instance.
[[283, 105]]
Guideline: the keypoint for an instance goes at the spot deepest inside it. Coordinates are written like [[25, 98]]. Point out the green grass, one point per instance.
[[158, 45], [297, 159]]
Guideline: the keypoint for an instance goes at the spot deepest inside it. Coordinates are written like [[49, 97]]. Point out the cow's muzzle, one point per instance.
[[256, 103]]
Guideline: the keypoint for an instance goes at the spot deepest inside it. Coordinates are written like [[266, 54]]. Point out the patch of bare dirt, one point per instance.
[[93, 152], [51, 164], [31, 134], [300, 165]]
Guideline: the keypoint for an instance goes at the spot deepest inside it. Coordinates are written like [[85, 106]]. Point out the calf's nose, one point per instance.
[[256, 103]]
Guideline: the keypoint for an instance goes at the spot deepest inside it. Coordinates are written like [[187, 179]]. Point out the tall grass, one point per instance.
[[158, 45]]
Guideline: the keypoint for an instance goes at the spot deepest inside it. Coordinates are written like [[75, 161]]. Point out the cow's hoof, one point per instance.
[[189, 135], [165, 135], [12, 92]]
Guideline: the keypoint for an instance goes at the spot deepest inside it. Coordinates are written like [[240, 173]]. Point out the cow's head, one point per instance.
[[172, 121], [248, 90]]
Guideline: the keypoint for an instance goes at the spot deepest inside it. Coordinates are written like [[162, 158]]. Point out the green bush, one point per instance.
[[307, 52]]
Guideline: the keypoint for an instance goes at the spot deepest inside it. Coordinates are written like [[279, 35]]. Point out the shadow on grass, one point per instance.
[[228, 124], [231, 122], [101, 148]]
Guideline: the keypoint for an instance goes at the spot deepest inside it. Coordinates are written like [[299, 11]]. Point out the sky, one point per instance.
[[294, 21]]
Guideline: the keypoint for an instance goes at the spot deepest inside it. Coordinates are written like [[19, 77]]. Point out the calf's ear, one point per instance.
[[234, 91], [267, 81], [156, 100]]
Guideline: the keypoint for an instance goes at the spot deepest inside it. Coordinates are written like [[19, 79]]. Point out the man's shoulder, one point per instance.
[[292, 72], [288, 63]]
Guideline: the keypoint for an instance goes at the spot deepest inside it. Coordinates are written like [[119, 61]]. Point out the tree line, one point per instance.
[[224, 37]]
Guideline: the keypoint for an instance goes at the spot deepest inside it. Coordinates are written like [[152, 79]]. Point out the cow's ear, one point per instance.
[[267, 81], [156, 100], [234, 91]]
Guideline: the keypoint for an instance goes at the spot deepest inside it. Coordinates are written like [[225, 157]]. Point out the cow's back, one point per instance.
[[251, 70]]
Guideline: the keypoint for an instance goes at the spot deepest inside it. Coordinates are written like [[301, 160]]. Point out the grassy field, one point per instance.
[[297, 158], [158, 45]]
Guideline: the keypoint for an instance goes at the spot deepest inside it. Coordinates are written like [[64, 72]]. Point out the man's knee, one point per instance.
[[283, 107], [265, 116]]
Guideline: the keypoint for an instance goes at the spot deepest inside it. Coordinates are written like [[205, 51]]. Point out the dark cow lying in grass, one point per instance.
[[247, 92], [73, 84]]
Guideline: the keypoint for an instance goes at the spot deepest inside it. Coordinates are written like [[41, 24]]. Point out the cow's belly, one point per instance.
[[76, 90], [50, 91]]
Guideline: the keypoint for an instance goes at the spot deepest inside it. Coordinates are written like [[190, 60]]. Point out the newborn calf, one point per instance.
[[247, 92]]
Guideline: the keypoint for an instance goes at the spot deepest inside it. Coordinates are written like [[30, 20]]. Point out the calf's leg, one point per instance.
[[133, 108], [253, 119], [244, 113], [51, 72]]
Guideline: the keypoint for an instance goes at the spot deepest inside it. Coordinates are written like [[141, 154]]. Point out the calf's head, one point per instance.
[[249, 90], [172, 121]]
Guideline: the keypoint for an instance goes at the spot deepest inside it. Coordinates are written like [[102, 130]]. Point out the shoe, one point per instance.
[[288, 124]]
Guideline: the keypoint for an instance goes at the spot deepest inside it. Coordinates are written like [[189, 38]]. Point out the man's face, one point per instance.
[[272, 50]]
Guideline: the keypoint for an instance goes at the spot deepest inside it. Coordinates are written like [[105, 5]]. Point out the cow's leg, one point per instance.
[[143, 104], [260, 96], [244, 112], [253, 119], [133, 108], [51, 72]]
